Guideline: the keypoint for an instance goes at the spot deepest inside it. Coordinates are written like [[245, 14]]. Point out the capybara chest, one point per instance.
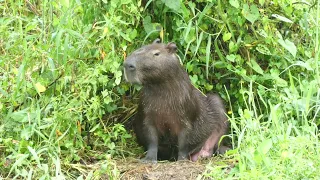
[[166, 123]]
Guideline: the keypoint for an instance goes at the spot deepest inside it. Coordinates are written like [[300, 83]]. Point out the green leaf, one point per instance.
[[174, 5], [125, 1], [94, 128], [190, 66], [281, 82], [111, 145], [226, 37], [263, 49], [34, 154], [147, 24], [208, 87], [40, 88], [189, 33], [265, 146], [208, 52], [281, 18], [199, 40], [23, 144], [232, 47], [194, 79], [231, 57], [255, 66], [65, 3], [251, 14], [234, 3], [19, 116], [132, 33], [118, 75], [288, 45], [26, 133], [19, 162], [304, 64], [262, 33], [150, 27], [125, 36], [247, 114]]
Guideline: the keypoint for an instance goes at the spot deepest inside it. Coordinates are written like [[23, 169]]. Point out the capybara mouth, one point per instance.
[[130, 72], [131, 77]]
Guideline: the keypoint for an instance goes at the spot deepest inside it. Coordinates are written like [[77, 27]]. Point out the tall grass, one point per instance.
[[57, 81], [285, 146], [62, 101], [284, 142]]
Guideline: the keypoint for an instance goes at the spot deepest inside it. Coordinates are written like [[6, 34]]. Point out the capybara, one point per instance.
[[173, 116]]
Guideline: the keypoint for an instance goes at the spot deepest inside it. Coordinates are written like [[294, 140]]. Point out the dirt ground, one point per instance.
[[181, 170]]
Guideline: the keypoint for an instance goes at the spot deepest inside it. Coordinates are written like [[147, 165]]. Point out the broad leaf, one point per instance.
[[175, 5], [281, 82], [288, 45], [255, 66], [304, 64], [251, 14], [147, 24], [263, 49], [40, 87], [234, 3], [150, 27], [265, 146], [226, 37], [194, 79], [231, 57], [281, 18]]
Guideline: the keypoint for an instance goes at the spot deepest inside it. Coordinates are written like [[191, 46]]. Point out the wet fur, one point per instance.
[[174, 119]]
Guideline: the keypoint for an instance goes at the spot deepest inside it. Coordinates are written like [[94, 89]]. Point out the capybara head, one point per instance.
[[153, 63]]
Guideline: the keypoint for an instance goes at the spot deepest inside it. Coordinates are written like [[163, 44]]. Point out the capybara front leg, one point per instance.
[[183, 145], [152, 147]]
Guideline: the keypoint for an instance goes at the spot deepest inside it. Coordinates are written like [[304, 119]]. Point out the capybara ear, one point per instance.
[[157, 41], [172, 47]]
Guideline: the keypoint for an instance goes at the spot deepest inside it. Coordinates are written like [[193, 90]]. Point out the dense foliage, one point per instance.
[[63, 102]]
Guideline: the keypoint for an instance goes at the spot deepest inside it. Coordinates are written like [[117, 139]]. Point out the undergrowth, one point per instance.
[[65, 111]]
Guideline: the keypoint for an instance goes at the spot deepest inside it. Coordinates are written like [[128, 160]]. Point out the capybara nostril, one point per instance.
[[130, 66]]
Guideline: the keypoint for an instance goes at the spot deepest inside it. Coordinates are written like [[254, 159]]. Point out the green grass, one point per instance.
[[279, 148], [63, 104]]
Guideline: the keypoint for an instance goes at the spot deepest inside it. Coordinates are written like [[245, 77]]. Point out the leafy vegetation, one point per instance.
[[63, 104]]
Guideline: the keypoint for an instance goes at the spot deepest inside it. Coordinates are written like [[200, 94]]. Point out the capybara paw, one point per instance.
[[201, 154], [150, 160], [181, 158]]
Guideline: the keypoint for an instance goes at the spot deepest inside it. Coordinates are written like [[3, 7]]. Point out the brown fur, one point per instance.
[[172, 116]]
